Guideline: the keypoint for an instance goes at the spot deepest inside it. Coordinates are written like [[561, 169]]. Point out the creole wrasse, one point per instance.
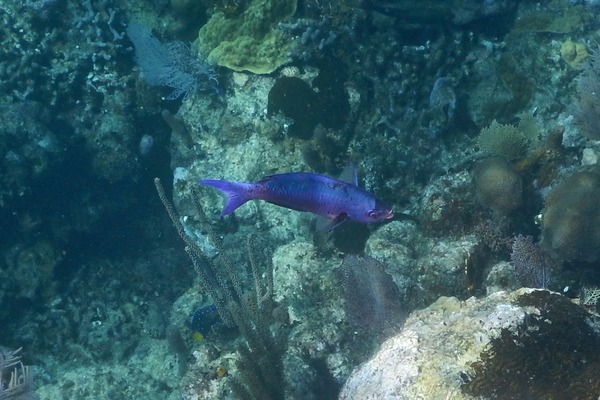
[[333, 199]]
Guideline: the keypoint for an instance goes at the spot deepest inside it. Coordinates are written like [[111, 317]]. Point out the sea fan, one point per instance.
[[371, 297]]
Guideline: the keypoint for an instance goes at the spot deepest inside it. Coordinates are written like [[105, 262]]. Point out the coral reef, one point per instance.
[[458, 114]]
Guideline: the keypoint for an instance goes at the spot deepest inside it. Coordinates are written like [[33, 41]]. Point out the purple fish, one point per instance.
[[333, 199]]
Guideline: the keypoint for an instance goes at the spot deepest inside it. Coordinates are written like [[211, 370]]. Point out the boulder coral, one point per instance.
[[571, 219], [497, 185]]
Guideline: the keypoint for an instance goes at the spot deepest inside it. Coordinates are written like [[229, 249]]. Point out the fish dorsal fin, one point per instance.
[[349, 174]]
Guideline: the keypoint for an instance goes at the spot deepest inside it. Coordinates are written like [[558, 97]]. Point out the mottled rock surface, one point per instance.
[[524, 344]]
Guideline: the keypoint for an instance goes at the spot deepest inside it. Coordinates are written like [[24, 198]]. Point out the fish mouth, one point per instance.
[[385, 215]]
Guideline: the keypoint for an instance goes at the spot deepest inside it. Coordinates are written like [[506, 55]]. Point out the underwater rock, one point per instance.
[[524, 344], [457, 12], [296, 100], [324, 102], [422, 268], [446, 205]]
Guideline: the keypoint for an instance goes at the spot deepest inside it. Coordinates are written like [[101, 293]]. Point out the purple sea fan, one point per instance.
[[532, 266], [372, 299]]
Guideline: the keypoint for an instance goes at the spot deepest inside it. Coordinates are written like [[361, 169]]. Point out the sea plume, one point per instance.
[[15, 377]]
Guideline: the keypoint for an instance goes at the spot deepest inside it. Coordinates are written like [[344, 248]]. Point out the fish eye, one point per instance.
[[372, 214]]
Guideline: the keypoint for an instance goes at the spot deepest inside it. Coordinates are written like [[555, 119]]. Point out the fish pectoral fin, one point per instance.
[[326, 224]]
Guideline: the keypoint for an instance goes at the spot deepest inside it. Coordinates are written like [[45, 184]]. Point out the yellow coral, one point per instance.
[[251, 40], [574, 54]]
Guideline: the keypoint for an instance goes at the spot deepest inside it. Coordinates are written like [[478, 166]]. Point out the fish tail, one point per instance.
[[236, 193]]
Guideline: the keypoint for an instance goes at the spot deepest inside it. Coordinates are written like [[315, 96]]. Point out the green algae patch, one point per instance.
[[249, 41], [564, 20]]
